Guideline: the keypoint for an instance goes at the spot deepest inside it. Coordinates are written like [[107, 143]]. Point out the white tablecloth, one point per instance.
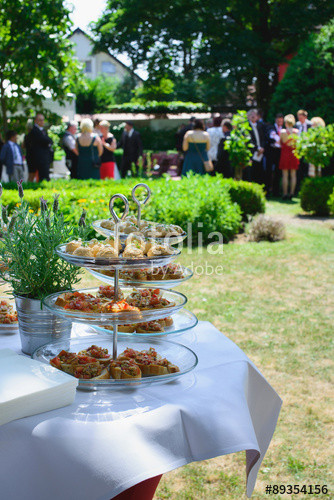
[[108, 441]]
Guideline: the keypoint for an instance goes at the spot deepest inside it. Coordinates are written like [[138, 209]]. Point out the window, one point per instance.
[[108, 67], [88, 66]]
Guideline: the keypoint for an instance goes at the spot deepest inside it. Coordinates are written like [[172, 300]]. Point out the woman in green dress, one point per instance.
[[196, 144], [89, 148]]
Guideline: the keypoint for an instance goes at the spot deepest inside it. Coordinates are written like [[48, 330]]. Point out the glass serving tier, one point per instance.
[[112, 262], [163, 283], [177, 354], [182, 321], [170, 240], [124, 317]]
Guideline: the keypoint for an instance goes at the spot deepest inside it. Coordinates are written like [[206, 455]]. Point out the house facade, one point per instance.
[[101, 63]]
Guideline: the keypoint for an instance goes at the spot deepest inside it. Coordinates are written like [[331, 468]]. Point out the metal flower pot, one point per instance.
[[38, 326]]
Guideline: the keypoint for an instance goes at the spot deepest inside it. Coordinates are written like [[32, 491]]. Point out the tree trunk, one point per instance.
[[3, 104]]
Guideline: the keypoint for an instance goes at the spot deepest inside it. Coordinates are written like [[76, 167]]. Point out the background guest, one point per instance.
[[196, 143], [288, 161], [90, 148], [28, 154], [223, 165], [70, 148], [11, 156], [255, 172], [108, 166], [216, 134], [303, 124], [273, 173], [132, 147], [39, 150], [96, 129]]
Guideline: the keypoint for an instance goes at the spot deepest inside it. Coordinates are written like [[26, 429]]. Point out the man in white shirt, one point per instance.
[[303, 124], [216, 134], [70, 148], [273, 174], [11, 156]]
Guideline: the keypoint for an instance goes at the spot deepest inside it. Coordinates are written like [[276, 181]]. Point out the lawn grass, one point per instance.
[[276, 302]]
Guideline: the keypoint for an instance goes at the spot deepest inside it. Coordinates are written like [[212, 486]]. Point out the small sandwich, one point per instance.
[[80, 366], [166, 322], [73, 245], [126, 328], [83, 252], [99, 353], [124, 369], [108, 292], [150, 327]]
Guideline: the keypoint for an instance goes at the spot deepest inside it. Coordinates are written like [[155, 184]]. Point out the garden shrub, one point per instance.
[[266, 228], [209, 203], [315, 193], [330, 204], [249, 196]]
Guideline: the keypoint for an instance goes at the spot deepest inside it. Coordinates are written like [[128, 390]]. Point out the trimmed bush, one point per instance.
[[315, 193], [160, 107], [249, 196]]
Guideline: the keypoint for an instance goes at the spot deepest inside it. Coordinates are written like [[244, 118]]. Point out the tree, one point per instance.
[[309, 80], [234, 43], [102, 93], [35, 54], [316, 146], [238, 144]]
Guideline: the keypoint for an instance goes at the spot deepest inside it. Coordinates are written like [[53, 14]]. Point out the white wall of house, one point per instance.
[[97, 64]]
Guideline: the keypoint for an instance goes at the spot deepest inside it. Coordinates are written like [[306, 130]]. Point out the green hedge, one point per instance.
[[315, 194], [249, 196], [160, 107], [330, 203], [209, 203]]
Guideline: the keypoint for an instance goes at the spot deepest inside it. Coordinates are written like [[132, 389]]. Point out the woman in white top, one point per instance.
[[216, 134], [196, 144]]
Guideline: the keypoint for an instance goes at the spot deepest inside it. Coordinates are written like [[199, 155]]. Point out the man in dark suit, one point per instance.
[[39, 149], [303, 124], [132, 148], [11, 156], [273, 173], [223, 164], [255, 173]]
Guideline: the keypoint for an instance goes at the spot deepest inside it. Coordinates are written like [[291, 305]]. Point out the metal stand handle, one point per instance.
[[138, 203], [116, 276]]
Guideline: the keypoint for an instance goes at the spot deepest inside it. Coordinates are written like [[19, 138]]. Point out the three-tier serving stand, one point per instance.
[[116, 265]]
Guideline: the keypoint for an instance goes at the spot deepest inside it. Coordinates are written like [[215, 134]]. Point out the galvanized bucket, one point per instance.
[[38, 326]]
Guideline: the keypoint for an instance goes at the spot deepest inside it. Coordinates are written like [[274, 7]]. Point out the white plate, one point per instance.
[[177, 354]]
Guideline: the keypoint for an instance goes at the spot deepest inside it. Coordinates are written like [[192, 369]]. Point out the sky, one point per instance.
[[86, 11]]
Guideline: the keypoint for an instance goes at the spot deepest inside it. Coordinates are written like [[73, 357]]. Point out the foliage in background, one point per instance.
[[266, 228], [239, 144], [316, 145], [233, 43], [309, 80], [315, 194], [56, 132], [101, 94], [214, 201], [27, 250], [161, 107], [35, 54], [248, 195]]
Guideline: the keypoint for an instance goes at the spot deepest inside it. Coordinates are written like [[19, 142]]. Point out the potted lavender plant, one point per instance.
[[33, 269]]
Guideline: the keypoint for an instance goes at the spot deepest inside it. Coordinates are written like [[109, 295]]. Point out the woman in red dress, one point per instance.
[[288, 161], [108, 166]]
